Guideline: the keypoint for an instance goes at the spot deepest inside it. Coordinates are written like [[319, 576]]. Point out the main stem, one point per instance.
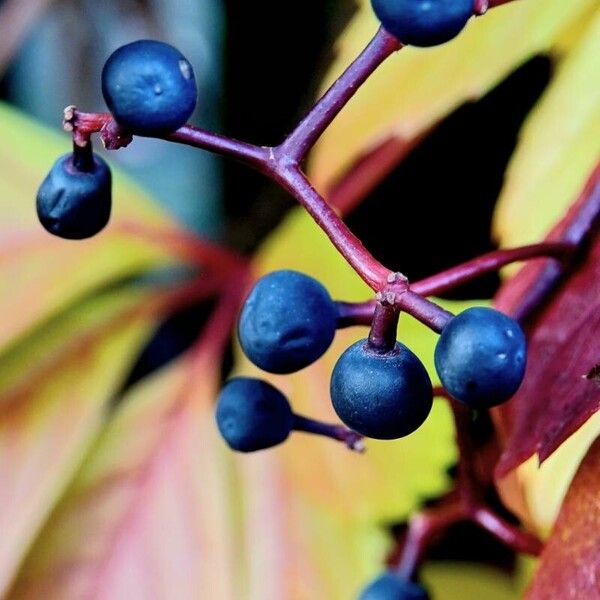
[[349, 246], [310, 129]]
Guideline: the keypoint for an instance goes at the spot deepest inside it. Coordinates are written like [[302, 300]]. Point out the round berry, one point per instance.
[[287, 322], [481, 357], [149, 87], [253, 415], [423, 22], [382, 396], [75, 204], [390, 586]]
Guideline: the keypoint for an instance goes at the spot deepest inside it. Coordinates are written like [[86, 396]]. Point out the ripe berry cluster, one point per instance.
[[379, 388], [150, 90]]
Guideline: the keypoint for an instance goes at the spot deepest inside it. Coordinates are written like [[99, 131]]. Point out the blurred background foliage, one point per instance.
[[113, 481]]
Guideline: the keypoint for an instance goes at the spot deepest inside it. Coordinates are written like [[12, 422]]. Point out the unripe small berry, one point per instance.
[[72, 203], [253, 415]]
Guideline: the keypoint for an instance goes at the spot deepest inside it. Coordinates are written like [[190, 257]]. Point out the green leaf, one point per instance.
[[54, 389]]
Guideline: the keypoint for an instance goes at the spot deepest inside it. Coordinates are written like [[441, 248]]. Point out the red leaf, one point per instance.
[[570, 563], [559, 393]]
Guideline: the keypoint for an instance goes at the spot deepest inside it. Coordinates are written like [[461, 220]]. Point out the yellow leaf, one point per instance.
[[147, 515], [392, 478], [41, 274], [54, 389], [541, 489], [417, 88], [559, 148]]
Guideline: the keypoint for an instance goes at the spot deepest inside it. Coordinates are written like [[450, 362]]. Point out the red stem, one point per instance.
[[412, 301], [349, 246], [84, 124], [303, 138], [577, 227], [487, 263], [424, 310], [508, 534], [464, 503], [423, 530]]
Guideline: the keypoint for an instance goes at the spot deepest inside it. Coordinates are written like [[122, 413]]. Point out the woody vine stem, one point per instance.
[[394, 293]]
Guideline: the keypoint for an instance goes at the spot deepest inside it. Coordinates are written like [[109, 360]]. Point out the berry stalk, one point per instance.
[[580, 224], [382, 336], [353, 440], [83, 124], [83, 156]]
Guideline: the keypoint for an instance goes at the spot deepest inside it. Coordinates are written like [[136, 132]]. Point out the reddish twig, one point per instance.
[[382, 336], [577, 228], [424, 529], [83, 124], [466, 502], [411, 300], [487, 263]]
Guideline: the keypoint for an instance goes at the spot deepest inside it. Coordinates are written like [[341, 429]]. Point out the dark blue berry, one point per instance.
[[287, 322], [481, 357], [73, 203], [149, 87], [253, 415], [382, 396], [423, 22], [390, 586]]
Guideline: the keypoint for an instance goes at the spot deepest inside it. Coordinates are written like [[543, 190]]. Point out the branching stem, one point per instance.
[[464, 503], [303, 138]]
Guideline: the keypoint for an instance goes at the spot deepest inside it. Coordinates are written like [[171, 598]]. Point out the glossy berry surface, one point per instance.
[[252, 415], [149, 87], [423, 22], [287, 322], [75, 204], [481, 357], [392, 587], [381, 396]]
